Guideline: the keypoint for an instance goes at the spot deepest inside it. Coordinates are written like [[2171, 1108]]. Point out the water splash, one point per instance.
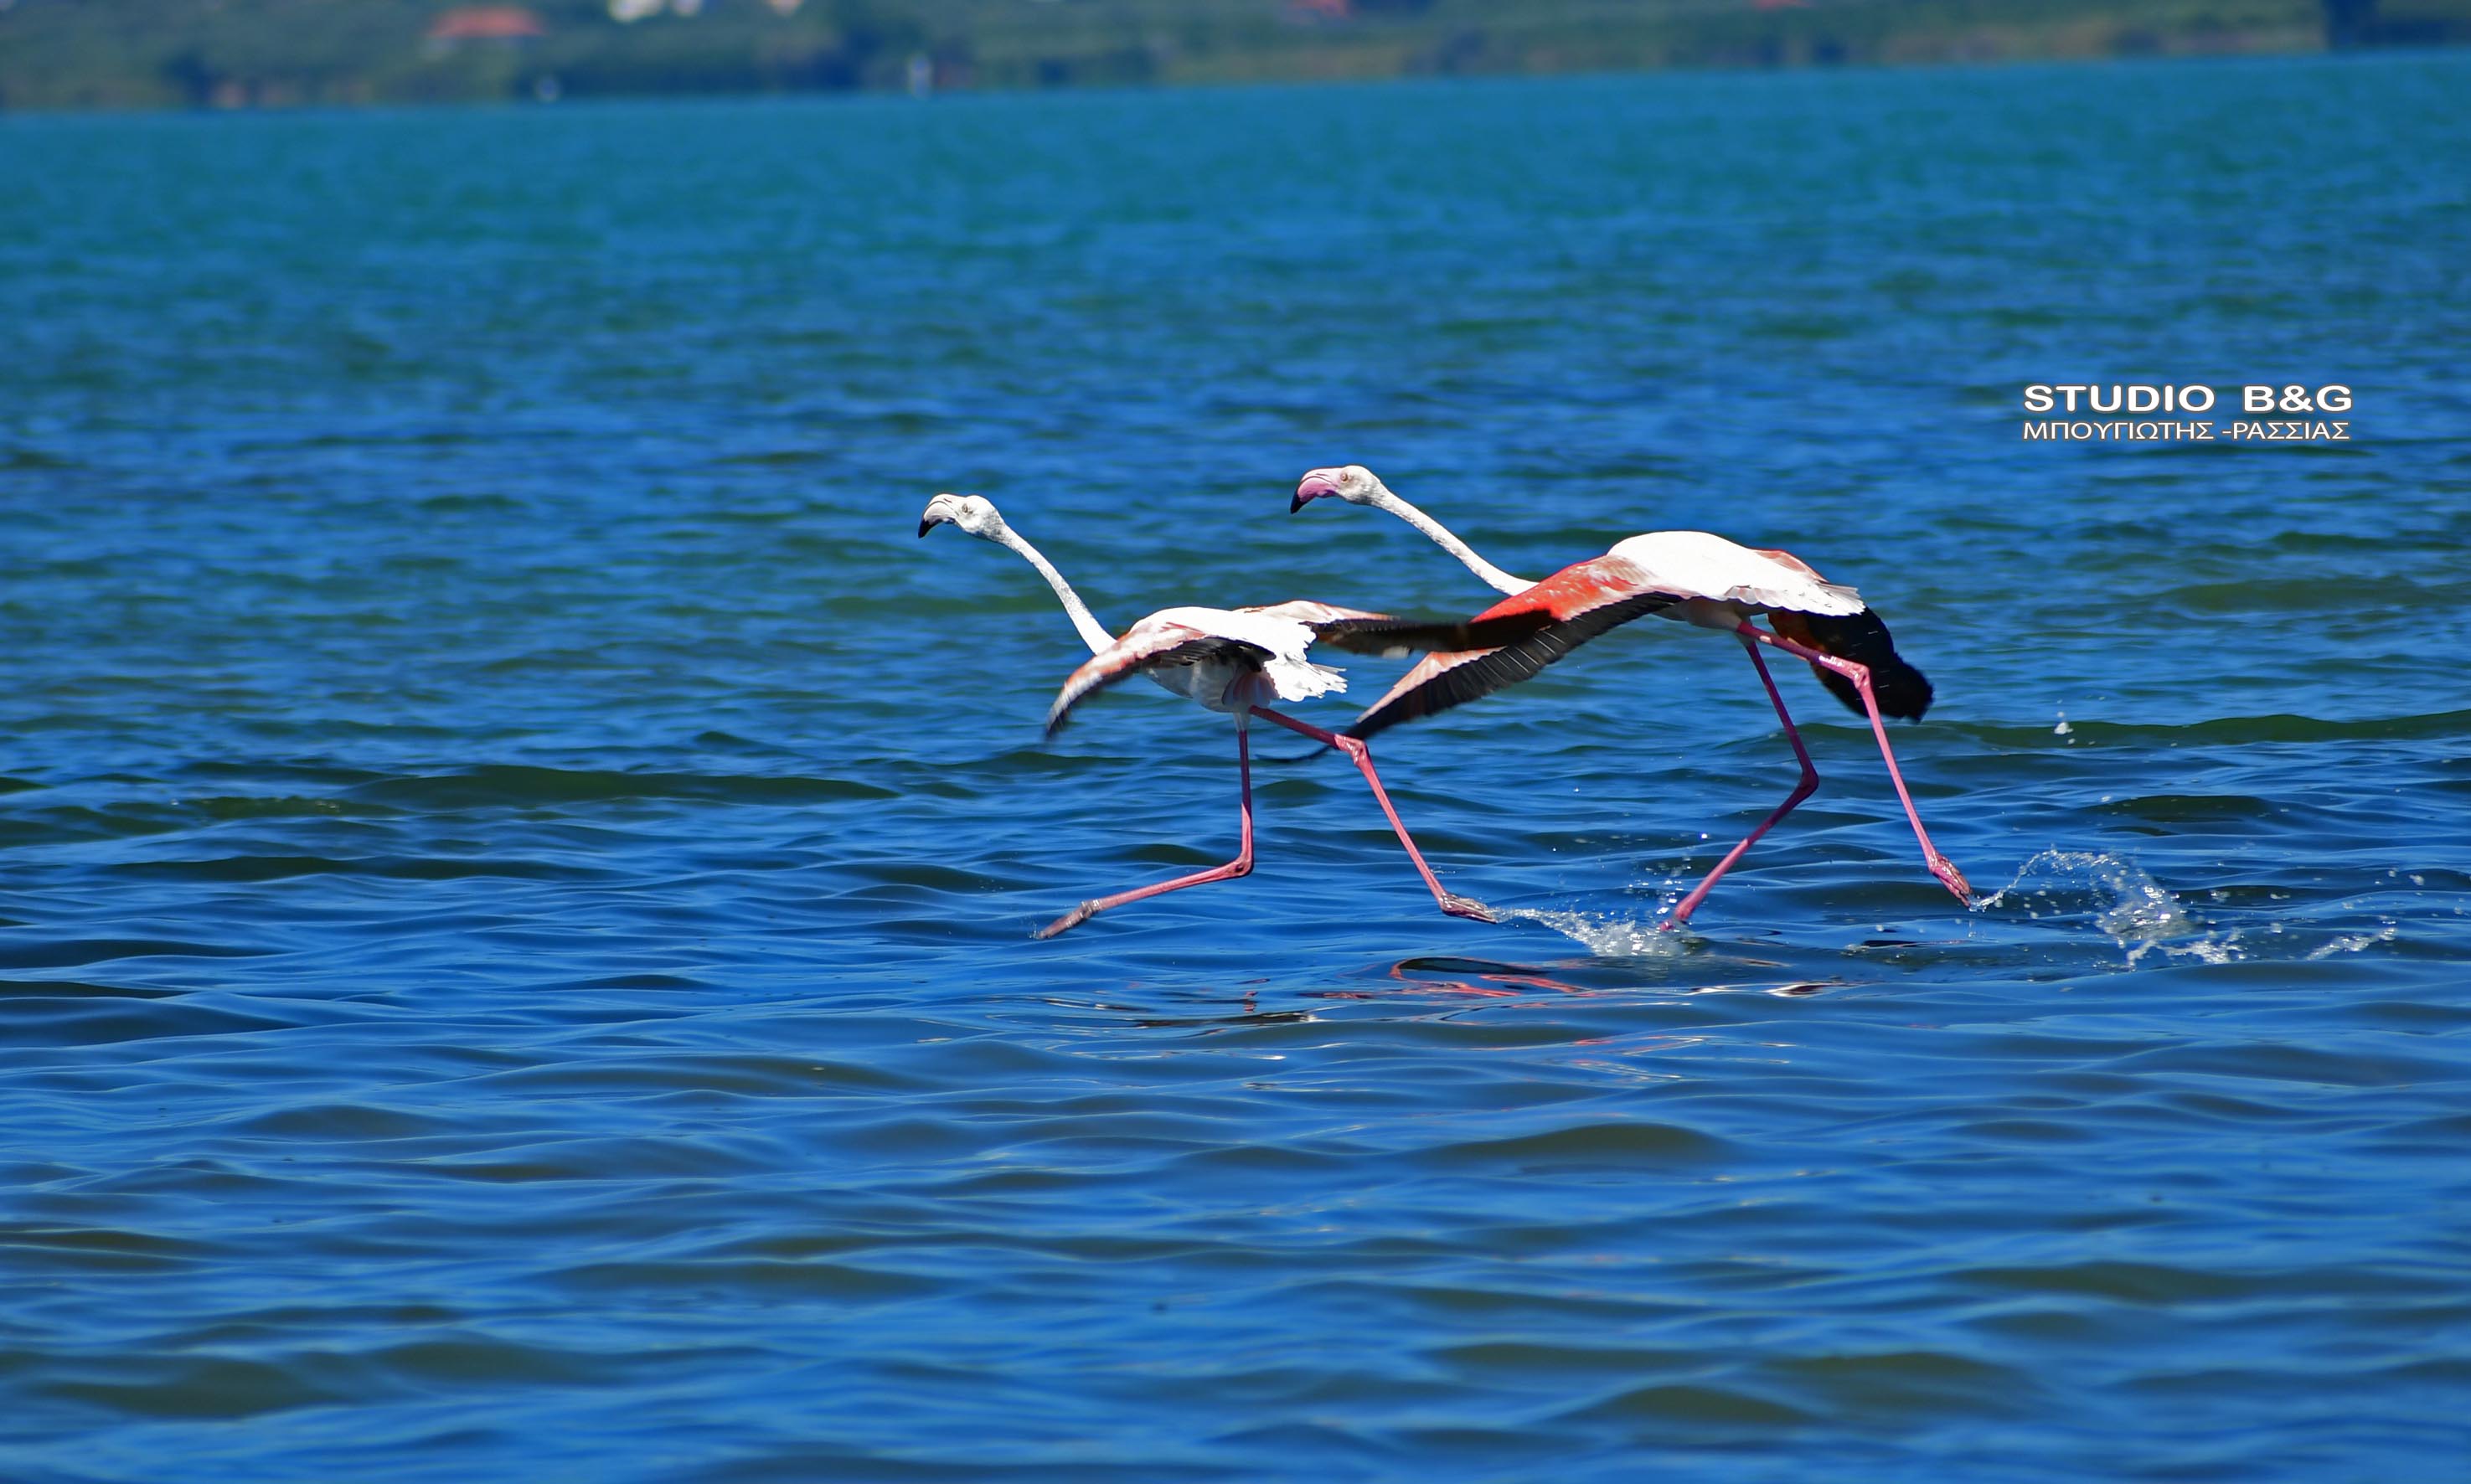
[[1607, 934], [2138, 912], [2353, 942]]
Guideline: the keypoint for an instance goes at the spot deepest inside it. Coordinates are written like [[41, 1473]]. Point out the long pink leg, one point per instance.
[[1241, 865], [1802, 790], [1860, 674], [1362, 757]]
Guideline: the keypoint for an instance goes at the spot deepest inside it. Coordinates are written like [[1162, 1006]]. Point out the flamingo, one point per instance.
[[1685, 574], [1231, 660]]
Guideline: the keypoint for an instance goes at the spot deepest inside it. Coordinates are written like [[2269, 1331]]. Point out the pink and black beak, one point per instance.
[[1312, 488]]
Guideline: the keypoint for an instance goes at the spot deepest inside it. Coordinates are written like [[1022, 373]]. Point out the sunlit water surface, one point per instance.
[[519, 864]]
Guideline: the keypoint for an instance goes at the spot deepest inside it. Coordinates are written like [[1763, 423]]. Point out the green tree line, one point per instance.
[[62, 53]]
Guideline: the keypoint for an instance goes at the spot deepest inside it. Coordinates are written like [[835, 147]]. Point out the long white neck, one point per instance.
[[1493, 575], [1093, 632]]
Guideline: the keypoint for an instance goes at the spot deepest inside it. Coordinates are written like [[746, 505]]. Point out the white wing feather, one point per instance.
[[1698, 564], [1290, 673]]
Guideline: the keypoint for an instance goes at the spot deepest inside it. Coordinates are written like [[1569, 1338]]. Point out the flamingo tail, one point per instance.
[[1903, 692]]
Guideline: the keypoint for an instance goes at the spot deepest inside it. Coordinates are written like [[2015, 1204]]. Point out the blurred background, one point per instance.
[[290, 53]]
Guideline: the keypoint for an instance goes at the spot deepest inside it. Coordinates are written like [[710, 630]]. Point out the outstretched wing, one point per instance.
[[1359, 632], [1152, 643], [1562, 612]]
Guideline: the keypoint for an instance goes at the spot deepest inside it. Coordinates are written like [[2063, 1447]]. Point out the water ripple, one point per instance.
[[514, 950]]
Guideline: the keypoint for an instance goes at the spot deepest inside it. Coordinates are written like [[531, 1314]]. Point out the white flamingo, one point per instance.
[[1231, 660], [1685, 574]]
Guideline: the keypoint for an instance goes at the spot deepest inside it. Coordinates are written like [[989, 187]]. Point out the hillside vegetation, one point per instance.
[[277, 53]]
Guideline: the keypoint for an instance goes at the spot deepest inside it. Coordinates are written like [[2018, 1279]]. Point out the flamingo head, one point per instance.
[[973, 513], [1353, 483]]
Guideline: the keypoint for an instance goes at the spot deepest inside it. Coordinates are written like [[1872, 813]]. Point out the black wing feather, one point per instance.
[[1505, 666], [1390, 638], [1902, 691], [1092, 677]]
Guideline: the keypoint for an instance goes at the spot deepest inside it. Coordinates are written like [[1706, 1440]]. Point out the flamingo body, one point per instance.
[[1690, 575], [1726, 582], [1231, 660]]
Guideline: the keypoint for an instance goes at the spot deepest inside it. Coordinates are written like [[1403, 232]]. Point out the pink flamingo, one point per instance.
[[1231, 660], [1685, 574]]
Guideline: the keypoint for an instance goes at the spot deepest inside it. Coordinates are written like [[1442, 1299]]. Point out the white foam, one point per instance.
[[2138, 912], [2353, 942], [1606, 935]]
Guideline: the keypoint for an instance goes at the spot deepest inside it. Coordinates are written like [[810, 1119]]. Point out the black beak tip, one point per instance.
[[925, 527], [1295, 505]]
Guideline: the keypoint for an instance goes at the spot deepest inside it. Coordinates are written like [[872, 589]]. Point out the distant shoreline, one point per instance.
[[235, 55]]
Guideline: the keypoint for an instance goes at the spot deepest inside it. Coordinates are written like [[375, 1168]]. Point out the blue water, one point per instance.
[[518, 864]]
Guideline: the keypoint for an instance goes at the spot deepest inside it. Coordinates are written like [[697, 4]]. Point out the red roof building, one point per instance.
[[486, 23]]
